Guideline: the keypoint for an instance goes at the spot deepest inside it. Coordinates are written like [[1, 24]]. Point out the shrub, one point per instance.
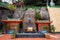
[[53, 29], [37, 16], [29, 2], [11, 7], [34, 2], [45, 27]]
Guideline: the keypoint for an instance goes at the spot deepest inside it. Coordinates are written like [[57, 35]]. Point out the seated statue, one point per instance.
[[29, 19]]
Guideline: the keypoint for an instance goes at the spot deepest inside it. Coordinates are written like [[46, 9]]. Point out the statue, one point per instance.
[[29, 19], [52, 3]]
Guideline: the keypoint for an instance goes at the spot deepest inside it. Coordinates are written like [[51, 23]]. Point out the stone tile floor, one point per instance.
[[8, 37]]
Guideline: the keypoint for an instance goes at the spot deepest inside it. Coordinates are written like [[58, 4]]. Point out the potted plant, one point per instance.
[[13, 35], [45, 28], [37, 16], [11, 7], [53, 29]]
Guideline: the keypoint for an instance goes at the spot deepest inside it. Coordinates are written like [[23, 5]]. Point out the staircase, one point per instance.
[[30, 35]]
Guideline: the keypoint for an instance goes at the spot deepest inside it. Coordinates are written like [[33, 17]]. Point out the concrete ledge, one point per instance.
[[30, 35]]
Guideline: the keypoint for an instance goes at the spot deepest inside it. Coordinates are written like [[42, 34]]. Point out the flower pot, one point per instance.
[[12, 36]]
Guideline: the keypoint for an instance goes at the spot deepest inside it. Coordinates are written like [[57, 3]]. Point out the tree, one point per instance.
[[30, 2], [33, 2], [0, 0]]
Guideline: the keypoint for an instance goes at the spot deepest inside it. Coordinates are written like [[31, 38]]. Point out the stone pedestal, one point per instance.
[[42, 23], [12, 24]]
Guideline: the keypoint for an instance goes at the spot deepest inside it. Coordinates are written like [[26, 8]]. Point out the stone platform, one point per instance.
[[30, 35]]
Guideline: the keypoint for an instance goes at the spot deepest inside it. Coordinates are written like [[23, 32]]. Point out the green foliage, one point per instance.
[[0, 0], [29, 2], [4, 4], [45, 27], [20, 25], [33, 2], [0, 30], [53, 28], [8, 6], [37, 16], [11, 7]]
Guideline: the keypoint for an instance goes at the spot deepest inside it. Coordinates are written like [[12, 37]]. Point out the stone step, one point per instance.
[[30, 35]]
